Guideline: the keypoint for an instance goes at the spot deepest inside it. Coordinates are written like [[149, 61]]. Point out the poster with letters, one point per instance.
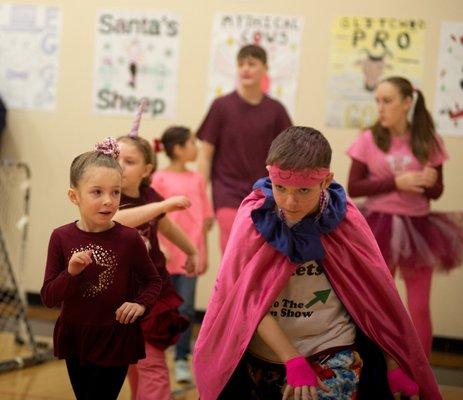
[[29, 55], [136, 56], [448, 111], [279, 35], [364, 51]]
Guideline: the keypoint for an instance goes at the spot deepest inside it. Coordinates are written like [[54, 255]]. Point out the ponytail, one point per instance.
[[423, 134], [175, 135]]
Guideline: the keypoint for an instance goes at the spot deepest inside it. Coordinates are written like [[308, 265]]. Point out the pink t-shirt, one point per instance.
[[398, 159], [191, 220]]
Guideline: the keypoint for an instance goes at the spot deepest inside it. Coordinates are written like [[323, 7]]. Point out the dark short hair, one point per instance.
[[252, 50], [90, 159], [299, 148], [175, 135], [144, 147]]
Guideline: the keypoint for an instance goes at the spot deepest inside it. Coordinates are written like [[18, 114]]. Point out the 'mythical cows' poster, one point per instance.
[[363, 51], [136, 56], [449, 91], [279, 35]]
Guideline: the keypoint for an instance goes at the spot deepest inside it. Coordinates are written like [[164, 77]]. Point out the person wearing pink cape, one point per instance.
[[398, 165], [304, 305]]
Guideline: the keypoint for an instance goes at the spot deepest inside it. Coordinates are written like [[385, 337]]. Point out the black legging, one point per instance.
[[91, 382]]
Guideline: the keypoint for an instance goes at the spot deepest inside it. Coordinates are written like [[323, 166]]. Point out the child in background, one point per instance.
[[397, 165], [176, 180], [143, 208], [304, 298], [92, 265], [236, 135]]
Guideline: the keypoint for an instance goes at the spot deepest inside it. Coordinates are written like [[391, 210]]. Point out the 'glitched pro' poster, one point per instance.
[[364, 51]]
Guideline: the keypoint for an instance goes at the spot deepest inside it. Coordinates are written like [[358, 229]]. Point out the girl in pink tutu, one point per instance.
[[397, 164]]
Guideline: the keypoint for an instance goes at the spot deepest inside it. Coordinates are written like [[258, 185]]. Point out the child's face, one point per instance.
[[392, 107], [297, 202], [188, 152], [251, 71], [134, 167], [98, 195]]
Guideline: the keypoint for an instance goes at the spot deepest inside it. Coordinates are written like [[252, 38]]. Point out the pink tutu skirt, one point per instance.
[[431, 241]]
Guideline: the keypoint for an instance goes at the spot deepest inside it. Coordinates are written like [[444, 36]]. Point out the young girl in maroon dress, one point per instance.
[[101, 275]]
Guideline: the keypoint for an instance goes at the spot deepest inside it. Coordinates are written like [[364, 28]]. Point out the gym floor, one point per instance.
[[49, 381]]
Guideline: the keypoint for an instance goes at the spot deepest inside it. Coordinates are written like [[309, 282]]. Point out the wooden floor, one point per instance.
[[49, 381]]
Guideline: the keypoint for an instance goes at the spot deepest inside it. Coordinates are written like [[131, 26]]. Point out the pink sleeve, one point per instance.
[[439, 154], [206, 204], [157, 183], [360, 148]]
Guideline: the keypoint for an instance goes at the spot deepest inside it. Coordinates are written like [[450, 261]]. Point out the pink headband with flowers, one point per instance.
[[297, 178], [109, 146]]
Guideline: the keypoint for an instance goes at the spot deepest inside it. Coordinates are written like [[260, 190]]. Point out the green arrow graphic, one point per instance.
[[321, 295]]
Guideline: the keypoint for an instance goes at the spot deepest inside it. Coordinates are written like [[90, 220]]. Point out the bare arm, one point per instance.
[[175, 234], [403, 386], [205, 159], [274, 337], [135, 216]]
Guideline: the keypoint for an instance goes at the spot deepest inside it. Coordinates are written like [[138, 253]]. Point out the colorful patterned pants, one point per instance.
[[256, 379]]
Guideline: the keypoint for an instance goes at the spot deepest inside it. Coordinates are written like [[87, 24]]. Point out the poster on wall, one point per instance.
[[136, 56], [29, 55], [449, 90], [279, 35], [363, 51]]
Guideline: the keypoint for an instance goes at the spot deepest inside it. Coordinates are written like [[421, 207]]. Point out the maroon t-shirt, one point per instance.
[[162, 325], [121, 271], [149, 230], [242, 134]]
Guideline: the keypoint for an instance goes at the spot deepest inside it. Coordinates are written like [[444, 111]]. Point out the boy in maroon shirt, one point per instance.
[[236, 135]]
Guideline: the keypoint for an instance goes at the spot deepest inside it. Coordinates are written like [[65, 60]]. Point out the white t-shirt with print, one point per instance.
[[310, 313]]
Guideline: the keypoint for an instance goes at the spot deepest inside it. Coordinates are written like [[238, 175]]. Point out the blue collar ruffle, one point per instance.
[[301, 242]]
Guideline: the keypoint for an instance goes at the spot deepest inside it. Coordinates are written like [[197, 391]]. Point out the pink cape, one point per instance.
[[253, 274]]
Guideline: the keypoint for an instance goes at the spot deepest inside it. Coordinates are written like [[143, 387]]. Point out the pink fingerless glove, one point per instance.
[[399, 382], [300, 373]]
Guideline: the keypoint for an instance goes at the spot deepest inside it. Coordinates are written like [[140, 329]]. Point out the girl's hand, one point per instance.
[[192, 266], [429, 175], [401, 384], [128, 313], [302, 380], [176, 203], [79, 261], [410, 182]]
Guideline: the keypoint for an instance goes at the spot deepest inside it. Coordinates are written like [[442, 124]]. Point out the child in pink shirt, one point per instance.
[[176, 179], [397, 165]]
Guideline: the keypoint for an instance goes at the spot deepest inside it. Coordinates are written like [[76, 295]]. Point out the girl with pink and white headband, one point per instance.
[[92, 267], [304, 306], [143, 208]]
